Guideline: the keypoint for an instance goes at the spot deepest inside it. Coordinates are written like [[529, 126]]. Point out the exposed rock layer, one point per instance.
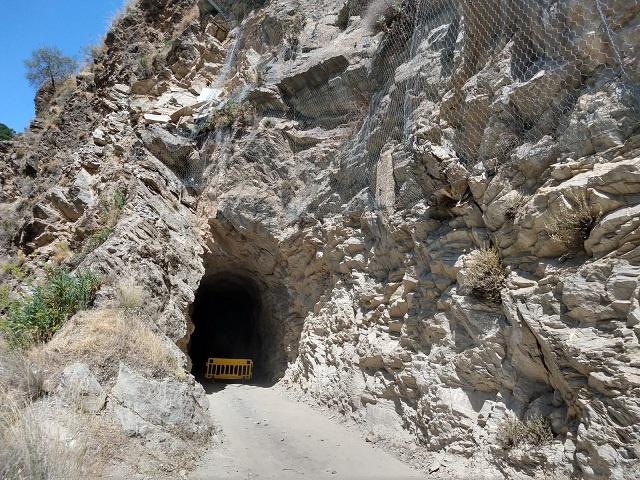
[[355, 180]]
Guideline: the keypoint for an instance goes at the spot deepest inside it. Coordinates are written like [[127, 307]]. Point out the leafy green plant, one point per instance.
[[486, 274], [17, 272], [535, 431], [119, 199], [36, 317]]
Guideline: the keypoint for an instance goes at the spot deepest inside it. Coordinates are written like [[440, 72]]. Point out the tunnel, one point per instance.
[[231, 320]]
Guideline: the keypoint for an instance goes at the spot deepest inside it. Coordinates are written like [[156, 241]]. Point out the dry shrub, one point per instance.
[[104, 338], [188, 18], [381, 14], [572, 226], [514, 205], [535, 432], [127, 9], [130, 296], [232, 114], [91, 53], [486, 274]]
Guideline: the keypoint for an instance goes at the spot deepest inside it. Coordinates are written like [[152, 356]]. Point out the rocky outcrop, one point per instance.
[[352, 167], [142, 405], [81, 388]]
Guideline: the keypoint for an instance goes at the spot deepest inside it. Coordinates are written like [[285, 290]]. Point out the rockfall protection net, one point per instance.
[[477, 85]]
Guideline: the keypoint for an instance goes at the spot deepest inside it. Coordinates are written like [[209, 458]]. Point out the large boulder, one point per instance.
[[141, 405], [80, 387]]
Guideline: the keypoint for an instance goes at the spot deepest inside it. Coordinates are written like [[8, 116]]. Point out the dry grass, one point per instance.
[[40, 437], [535, 432], [130, 295], [20, 382], [104, 338], [25, 451], [572, 226], [127, 9], [486, 274], [61, 252], [29, 451]]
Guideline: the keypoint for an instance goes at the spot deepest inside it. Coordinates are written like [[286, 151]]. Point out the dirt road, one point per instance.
[[267, 436]]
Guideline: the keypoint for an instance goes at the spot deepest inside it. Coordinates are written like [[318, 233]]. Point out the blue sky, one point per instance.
[[29, 24]]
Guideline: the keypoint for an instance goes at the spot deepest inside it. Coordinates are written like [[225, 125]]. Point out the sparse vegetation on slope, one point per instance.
[[486, 274], [130, 295], [20, 382], [26, 450], [535, 431], [572, 226], [36, 317], [514, 205], [109, 214], [6, 133], [240, 114], [381, 14], [103, 338]]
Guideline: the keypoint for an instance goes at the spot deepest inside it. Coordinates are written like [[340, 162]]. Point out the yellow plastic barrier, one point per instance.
[[229, 369]]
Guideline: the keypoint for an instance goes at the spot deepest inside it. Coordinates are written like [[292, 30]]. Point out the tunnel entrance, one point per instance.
[[228, 315]]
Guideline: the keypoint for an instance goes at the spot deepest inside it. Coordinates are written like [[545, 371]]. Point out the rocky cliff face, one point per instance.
[[364, 164]]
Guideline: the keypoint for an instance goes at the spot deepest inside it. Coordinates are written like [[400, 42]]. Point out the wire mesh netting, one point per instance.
[[449, 84]]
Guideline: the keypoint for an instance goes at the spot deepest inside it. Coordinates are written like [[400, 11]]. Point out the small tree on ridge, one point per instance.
[[49, 65]]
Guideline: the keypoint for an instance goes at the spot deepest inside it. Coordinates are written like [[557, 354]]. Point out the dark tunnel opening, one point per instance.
[[228, 316]]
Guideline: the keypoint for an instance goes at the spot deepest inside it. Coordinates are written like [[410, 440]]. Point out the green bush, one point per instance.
[[119, 199], [35, 318], [5, 132]]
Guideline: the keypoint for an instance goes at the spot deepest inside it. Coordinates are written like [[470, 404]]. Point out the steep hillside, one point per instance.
[[426, 212]]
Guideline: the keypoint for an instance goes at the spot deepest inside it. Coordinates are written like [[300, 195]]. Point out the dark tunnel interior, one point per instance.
[[226, 315]]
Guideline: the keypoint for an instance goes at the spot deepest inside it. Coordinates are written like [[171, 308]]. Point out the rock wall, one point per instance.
[[353, 158]]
